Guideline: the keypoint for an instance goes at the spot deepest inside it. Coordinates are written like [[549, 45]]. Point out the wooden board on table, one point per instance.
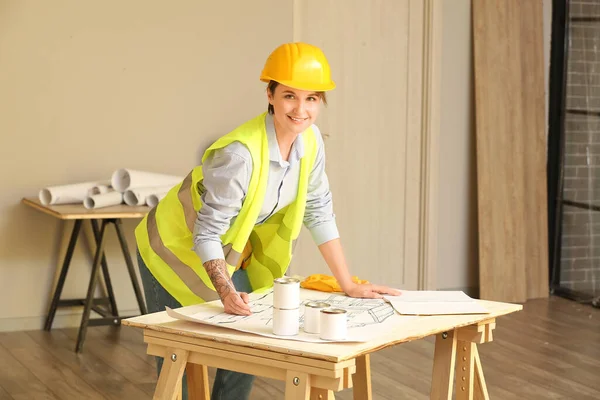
[[78, 211], [415, 328]]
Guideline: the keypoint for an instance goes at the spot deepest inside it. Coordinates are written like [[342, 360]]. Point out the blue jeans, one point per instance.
[[229, 385]]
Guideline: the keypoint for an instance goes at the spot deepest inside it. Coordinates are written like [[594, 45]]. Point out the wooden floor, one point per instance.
[[550, 350]]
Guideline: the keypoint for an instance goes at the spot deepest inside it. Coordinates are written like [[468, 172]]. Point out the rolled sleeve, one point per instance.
[[324, 232], [319, 217], [209, 250], [226, 175]]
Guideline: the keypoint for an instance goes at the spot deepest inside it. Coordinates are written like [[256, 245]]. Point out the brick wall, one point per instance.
[[580, 252]]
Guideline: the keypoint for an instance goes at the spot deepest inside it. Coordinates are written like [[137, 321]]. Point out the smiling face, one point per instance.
[[293, 110]]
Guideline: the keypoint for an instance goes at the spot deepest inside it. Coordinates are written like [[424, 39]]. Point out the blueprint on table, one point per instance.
[[366, 318]]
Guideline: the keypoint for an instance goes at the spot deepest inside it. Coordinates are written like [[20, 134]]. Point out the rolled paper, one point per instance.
[[100, 189], [286, 322], [103, 200], [333, 324], [286, 293], [153, 199], [125, 179], [67, 194], [137, 196]]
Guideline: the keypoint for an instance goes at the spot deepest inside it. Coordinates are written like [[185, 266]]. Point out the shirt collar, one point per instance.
[[297, 151]]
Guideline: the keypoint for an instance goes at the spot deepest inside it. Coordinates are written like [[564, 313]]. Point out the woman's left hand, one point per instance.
[[370, 291]]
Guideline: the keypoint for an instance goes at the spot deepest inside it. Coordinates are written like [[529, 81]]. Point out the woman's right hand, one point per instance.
[[236, 303]]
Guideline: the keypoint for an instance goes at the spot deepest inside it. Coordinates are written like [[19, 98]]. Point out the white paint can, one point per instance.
[[333, 324], [286, 322], [312, 316], [286, 293]]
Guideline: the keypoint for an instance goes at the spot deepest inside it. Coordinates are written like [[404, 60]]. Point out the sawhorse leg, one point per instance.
[[197, 382], [130, 267], [113, 318], [168, 386], [56, 301], [321, 394], [105, 273], [361, 380], [110, 316], [63, 276], [456, 353], [297, 386], [89, 298]]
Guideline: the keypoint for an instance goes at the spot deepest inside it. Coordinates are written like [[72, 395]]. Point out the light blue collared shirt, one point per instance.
[[227, 173]]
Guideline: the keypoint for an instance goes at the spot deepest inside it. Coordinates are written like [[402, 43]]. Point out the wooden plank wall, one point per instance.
[[534, 139], [511, 149]]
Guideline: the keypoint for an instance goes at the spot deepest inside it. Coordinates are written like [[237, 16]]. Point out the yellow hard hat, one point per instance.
[[298, 65]]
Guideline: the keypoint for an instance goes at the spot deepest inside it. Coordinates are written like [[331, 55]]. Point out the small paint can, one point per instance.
[[286, 322], [312, 316], [286, 293], [333, 324]]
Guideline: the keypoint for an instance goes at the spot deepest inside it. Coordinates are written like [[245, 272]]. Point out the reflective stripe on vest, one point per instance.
[[185, 197], [185, 273]]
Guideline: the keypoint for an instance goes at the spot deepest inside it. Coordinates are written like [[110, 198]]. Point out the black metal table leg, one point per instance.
[[105, 273], [130, 268], [63, 275], [89, 299], [105, 306]]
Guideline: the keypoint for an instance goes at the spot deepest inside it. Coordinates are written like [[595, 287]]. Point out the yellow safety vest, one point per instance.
[[165, 236]]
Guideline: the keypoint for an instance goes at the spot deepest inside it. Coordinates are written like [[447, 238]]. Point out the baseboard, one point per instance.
[[64, 319]]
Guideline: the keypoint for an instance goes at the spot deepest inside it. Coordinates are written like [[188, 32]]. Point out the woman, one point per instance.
[[229, 228]]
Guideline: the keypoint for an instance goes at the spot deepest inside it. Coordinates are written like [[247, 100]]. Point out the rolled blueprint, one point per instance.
[[153, 199], [312, 316], [125, 179], [286, 293], [67, 194], [333, 324], [137, 196], [100, 189], [103, 200], [286, 322]]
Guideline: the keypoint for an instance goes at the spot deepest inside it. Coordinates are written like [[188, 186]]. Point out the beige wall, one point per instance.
[[89, 87], [457, 237], [371, 162]]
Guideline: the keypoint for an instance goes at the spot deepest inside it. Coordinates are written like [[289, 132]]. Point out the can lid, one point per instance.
[[317, 304], [333, 311], [286, 280]]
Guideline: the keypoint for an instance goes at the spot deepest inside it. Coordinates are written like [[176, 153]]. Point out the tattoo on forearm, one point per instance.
[[217, 272]]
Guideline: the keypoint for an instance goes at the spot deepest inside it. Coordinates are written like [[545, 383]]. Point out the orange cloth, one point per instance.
[[325, 283]]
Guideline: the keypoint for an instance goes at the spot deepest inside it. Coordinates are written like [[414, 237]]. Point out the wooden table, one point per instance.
[[315, 371], [105, 216]]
